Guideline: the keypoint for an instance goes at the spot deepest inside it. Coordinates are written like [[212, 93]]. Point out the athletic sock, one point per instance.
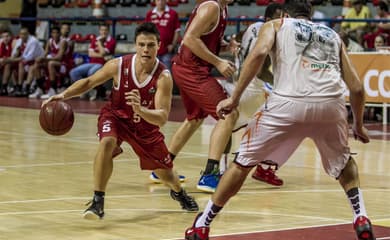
[[355, 197], [173, 156], [211, 166], [98, 196], [210, 212]]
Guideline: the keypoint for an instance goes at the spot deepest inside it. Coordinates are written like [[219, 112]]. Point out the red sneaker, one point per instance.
[[267, 176], [197, 233], [363, 228]]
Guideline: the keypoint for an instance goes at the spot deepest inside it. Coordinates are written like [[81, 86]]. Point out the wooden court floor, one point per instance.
[[46, 182]]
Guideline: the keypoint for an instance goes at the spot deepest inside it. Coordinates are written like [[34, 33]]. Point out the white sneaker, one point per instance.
[[92, 95], [49, 93], [36, 94]]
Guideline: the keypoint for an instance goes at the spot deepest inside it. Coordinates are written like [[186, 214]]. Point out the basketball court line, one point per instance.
[[278, 191], [283, 229]]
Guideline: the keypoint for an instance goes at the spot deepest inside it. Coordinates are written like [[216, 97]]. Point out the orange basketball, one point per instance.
[[56, 118]]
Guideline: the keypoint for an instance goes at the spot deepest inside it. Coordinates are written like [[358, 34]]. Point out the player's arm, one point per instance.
[[256, 58], [108, 71], [357, 95], [162, 101], [205, 20]]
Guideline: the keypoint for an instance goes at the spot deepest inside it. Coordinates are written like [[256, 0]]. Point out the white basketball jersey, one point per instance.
[[247, 43], [306, 60]]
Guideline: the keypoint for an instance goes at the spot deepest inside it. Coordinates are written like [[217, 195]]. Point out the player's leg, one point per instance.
[[103, 163], [212, 93], [332, 142], [6, 76], [183, 133], [52, 67]]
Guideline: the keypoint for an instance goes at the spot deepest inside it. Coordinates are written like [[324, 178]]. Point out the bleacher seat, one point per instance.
[[173, 3], [337, 2], [77, 37], [83, 3], [110, 3], [121, 37], [89, 37], [43, 3], [262, 2], [244, 2], [70, 3], [126, 3], [317, 2], [57, 3], [141, 3], [124, 22], [122, 48]]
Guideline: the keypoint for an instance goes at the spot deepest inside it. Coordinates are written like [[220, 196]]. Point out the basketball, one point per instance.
[[56, 118]]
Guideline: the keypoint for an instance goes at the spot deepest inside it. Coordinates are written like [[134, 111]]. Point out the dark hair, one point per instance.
[[147, 28], [104, 25], [383, 6], [271, 9], [55, 28], [296, 8]]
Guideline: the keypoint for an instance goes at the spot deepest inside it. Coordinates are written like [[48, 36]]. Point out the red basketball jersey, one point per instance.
[[5, 49], [54, 47], [68, 55], [212, 40], [147, 90]]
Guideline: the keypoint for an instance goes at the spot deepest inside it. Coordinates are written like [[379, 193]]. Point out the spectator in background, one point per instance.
[[317, 14], [55, 51], [351, 45], [100, 50], [27, 48], [6, 43], [356, 30], [382, 11], [168, 24], [29, 9], [380, 42]]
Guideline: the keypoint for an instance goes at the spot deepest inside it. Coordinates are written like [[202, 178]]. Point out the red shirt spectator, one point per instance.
[[108, 43], [168, 24]]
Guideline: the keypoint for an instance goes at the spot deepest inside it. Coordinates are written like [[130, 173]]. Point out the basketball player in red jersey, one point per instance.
[[54, 52], [5, 52], [201, 92], [140, 104]]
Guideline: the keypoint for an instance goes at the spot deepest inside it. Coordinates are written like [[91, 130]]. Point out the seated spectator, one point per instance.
[[351, 45], [6, 44], [380, 43], [378, 27], [55, 52], [356, 30], [100, 50], [27, 48]]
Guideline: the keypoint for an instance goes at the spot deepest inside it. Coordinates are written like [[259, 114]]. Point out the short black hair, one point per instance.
[[298, 8], [271, 9], [55, 28], [383, 6], [147, 28]]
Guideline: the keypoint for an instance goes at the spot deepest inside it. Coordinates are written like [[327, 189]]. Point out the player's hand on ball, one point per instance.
[[225, 106], [133, 98], [53, 98]]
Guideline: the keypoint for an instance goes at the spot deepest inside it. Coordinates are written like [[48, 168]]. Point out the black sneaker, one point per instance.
[[95, 211], [187, 202]]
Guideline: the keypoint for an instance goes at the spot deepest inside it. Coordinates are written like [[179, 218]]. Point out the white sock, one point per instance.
[[356, 201], [209, 213]]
